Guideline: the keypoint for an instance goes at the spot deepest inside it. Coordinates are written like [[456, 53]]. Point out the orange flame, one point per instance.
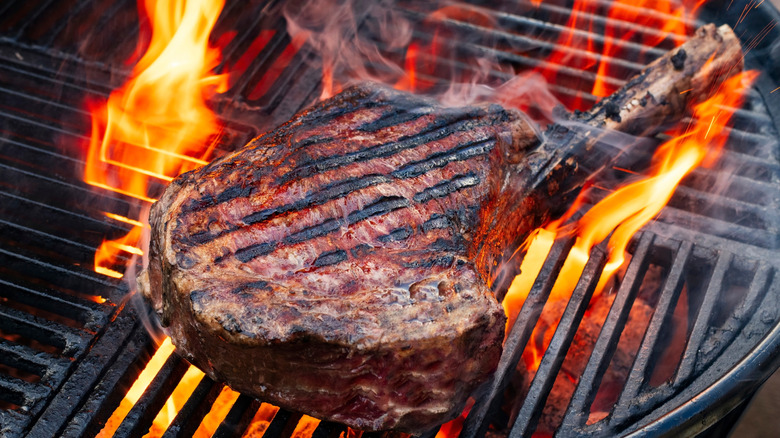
[[671, 21], [626, 210], [184, 389], [629, 23], [157, 124]]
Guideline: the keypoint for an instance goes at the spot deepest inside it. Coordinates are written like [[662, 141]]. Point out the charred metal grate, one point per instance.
[[70, 346]]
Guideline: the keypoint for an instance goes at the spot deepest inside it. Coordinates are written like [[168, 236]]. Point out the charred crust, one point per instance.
[[330, 258], [396, 235], [441, 260], [183, 261], [437, 221], [678, 59], [361, 250], [612, 111]]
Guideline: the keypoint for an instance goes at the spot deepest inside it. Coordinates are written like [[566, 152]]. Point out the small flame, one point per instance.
[[626, 210], [156, 125]]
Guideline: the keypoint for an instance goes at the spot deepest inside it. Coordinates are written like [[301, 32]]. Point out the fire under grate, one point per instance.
[[71, 344]]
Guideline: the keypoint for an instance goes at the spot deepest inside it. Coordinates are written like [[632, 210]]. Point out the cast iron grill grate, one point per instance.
[[70, 345]]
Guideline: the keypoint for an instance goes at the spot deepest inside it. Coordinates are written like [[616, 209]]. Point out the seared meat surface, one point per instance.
[[329, 266]]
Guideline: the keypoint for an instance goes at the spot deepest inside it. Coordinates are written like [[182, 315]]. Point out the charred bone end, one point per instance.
[[666, 88]]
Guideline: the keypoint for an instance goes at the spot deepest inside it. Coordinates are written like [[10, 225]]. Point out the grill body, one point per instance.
[[71, 342]]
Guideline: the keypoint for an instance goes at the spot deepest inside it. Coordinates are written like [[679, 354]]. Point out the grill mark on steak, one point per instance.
[[397, 235], [330, 192], [250, 252], [446, 187], [441, 159], [330, 258], [437, 221], [406, 233], [337, 190], [381, 206], [392, 118], [437, 130]]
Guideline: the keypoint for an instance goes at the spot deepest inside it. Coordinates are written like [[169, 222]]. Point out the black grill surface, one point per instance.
[[71, 343]]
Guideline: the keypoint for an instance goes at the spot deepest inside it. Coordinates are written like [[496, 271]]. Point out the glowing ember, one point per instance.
[[218, 412], [157, 124], [626, 210], [305, 427]]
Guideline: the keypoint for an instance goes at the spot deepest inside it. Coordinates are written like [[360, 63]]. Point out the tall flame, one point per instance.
[[626, 210], [156, 125]]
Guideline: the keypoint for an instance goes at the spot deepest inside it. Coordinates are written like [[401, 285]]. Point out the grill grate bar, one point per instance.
[[328, 429], [283, 424], [104, 20], [296, 75], [703, 316], [559, 344], [542, 44], [22, 393], [721, 207], [577, 412], [738, 186], [74, 272], [197, 406], [70, 86], [8, 5], [60, 24], [715, 228], [757, 168], [37, 12], [712, 347], [48, 367], [238, 418], [241, 42], [40, 107], [81, 138], [86, 312], [94, 390], [141, 416], [263, 61], [79, 190], [40, 236], [68, 339], [668, 298], [476, 422], [602, 21]]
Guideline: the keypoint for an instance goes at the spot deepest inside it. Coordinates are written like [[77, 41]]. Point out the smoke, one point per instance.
[[449, 53], [134, 297], [331, 28]]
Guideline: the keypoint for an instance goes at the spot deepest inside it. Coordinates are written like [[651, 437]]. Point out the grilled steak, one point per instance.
[[340, 265], [328, 266]]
